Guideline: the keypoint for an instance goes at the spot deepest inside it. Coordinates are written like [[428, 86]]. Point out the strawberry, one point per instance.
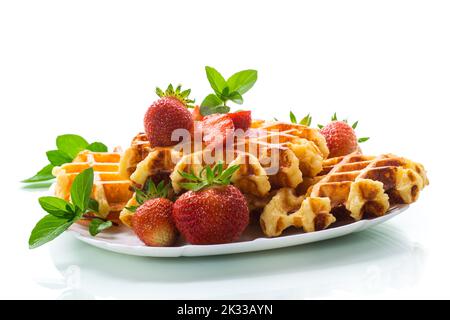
[[166, 115], [241, 119], [215, 128], [152, 221], [196, 114], [212, 212], [341, 139]]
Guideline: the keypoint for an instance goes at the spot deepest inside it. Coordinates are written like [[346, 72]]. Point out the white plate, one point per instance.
[[123, 240]]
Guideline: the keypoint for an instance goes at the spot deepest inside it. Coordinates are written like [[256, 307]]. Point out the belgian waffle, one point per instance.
[[297, 150], [110, 189], [361, 185]]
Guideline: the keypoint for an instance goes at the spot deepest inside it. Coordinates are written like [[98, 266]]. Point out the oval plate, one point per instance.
[[123, 240]]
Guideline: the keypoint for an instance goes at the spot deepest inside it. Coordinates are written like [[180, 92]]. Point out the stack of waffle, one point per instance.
[[297, 150], [307, 191]]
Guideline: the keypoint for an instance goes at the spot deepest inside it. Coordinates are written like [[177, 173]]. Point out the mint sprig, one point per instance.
[[231, 89], [62, 214], [208, 176], [69, 145]]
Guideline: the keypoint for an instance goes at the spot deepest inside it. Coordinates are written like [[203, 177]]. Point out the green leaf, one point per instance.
[[141, 197], [93, 205], [211, 100], [209, 174], [236, 97], [276, 119], [292, 117], [44, 174], [355, 125], [320, 126], [56, 207], [364, 139], [194, 186], [159, 92], [242, 81], [306, 121], [334, 117], [58, 157], [205, 111], [81, 189], [229, 172], [215, 79], [97, 225], [132, 208], [71, 144], [47, 229], [97, 147]]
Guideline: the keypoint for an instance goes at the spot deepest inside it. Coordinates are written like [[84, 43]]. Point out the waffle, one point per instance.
[[110, 190], [297, 150], [361, 185]]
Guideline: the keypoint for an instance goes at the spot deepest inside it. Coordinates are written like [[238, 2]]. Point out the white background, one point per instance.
[[90, 67]]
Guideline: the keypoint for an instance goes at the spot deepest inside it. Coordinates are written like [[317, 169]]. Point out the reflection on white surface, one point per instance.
[[364, 263]]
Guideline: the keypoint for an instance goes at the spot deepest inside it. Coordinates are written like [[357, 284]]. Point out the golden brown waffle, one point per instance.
[[297, 150], [110, 190], [362, 185]]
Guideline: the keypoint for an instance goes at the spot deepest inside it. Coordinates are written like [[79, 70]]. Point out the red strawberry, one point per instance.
[[212, 212], [213, 215], [341, 138], [153, 223], [216, 128], [241, 119], [166, 115], [196, 115]]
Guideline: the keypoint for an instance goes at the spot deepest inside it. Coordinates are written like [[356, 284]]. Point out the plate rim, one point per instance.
[[255, 245]]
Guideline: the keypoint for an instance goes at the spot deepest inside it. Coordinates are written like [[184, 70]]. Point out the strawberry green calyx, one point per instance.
[[215, 176], [150, 191], [306, 120], [354, 125], [182, 95]]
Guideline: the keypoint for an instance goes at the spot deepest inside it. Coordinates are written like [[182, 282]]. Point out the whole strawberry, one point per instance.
[[166, 115], [212, 212], [341, 138], [152, 221]]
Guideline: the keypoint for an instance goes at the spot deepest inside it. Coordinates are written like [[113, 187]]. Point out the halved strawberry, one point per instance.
[[241, 119], [215, 128]]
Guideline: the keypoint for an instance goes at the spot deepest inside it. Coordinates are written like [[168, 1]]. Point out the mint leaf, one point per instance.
[[236, 97], [97, 147], [47, 229], [355, 125], [71, 144], [215, 79], [97, 225], [211, 100], [93, 205], [58, 157], [56, 207], [81, 189], [205, 110], [242, 81], [44, 174]]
